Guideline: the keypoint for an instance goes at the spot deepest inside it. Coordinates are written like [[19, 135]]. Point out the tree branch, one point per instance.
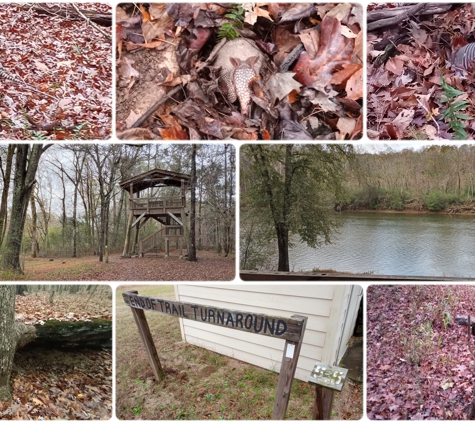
[[396, 19]]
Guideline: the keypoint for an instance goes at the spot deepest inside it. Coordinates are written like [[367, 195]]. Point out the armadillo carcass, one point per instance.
[[464, 56], [240, 61]]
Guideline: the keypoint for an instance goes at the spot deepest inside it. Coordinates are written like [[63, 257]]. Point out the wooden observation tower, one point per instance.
[[169, 211]]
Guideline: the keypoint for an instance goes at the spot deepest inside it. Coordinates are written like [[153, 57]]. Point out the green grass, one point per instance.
[[199, 384], [10, 275]]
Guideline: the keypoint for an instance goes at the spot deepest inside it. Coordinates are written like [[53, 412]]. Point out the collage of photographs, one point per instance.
[[237, 211]]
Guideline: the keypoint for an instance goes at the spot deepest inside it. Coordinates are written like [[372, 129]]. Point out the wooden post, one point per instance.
[[327, 379], [322, 407], [186, 229], [167, 246], [126, 251], [144, 330], [287, 372]]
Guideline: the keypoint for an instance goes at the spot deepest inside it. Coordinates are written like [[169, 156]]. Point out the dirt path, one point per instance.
[[210, 267]]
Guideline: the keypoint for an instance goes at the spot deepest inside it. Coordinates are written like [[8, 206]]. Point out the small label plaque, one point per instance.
[[290, 351], [328, 376]]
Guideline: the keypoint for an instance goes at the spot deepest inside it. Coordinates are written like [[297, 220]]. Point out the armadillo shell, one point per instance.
[[238, 48], [464, 56]]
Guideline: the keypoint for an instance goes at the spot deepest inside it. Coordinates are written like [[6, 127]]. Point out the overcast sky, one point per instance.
[[376, 147]]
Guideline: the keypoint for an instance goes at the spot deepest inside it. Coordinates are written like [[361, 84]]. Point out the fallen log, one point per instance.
[[430, 9], [95, 334], [103, 19], [24, 333]]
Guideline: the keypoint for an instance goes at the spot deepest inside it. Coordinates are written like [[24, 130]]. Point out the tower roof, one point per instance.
[[155, 178]]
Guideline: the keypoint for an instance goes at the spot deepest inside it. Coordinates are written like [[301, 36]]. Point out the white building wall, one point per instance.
[[325, 306]]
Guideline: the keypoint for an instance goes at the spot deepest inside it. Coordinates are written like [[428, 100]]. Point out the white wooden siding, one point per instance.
[[350, 321], [321, 304]]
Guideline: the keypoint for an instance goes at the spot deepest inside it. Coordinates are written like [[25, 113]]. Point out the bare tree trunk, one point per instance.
[[226, 232], [192, 249], [6, 188], [13, 335], [7, 339], [34, 227], [280, 217], [64, 217], [26, 164]]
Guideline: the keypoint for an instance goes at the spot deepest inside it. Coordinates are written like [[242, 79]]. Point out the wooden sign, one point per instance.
[[267, 325], [289, 329]]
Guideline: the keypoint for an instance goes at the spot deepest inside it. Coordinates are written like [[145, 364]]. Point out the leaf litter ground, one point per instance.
[[418, 362], [161, 46], [405, 94], [63, 57], [55, 384], [210, 267]]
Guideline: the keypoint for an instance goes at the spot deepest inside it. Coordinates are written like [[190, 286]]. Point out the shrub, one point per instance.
[[436, 200]]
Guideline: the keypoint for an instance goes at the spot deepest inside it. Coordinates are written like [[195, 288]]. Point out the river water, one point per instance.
[[394, 244]]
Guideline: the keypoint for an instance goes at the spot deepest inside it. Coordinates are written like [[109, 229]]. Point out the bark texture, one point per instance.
[[8, 339], [192, 248], [6, 187], [26, 164]]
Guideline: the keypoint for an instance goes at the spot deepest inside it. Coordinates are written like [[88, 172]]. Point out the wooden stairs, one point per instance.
[[159, 240]]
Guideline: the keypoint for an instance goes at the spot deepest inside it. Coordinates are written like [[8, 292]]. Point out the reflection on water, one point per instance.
[[395, 244]]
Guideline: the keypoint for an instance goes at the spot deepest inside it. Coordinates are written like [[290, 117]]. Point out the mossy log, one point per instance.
[[95, 334]]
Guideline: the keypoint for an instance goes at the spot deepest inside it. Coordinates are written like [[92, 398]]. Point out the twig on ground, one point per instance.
[[432, 117], [90, 22]]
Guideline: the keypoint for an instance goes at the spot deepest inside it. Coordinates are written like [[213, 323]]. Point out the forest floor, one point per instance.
[[420, 91], [201, 384], [58, 384], [210, 267], [419, 365], [149, 48], [69, 73]]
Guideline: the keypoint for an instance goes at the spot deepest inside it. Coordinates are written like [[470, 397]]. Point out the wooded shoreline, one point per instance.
[[410, 211]]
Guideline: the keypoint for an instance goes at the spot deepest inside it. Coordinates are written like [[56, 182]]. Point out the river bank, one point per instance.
[[461, 209]]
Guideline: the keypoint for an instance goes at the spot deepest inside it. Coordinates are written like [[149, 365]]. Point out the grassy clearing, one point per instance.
[[200, 384]]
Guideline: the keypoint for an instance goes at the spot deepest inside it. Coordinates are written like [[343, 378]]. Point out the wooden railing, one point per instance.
[[148, 203]]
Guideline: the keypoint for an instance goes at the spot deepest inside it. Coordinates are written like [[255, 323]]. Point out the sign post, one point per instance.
[[327, 379], [289, 329]]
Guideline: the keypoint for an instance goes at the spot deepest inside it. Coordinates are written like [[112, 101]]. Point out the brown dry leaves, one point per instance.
[[210, 267], [404, 94], [418, 362], [66, 58], [51, 384], [35, 307], [318, 97]]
